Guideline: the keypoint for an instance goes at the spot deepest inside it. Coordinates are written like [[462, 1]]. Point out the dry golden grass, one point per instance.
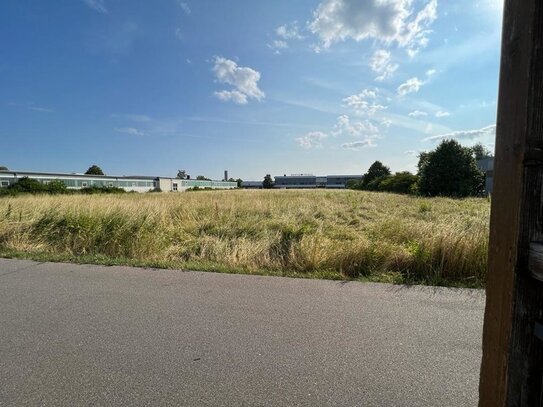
[[351, 233]]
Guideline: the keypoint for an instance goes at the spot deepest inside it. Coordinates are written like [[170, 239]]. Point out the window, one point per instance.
[[5, 184], [174, 186]]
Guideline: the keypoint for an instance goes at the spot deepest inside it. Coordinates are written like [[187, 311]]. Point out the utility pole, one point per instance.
[[512, 365]]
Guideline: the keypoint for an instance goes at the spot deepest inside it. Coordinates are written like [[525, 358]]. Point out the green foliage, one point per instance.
[[401, 183], [3, 168], [202, 178], [268, 182], [449, 170], [239, 182], [32, 186], [376, 170], [101, 190], [479, 152], [353, 184], [94, 170]]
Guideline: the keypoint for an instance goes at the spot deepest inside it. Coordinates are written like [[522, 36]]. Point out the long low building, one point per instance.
[[128, 183], [304, 181]]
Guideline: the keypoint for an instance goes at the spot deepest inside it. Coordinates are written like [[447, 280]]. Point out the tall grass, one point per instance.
[[349, 233]]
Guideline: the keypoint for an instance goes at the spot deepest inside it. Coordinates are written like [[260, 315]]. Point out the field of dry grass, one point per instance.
[[330, 234]]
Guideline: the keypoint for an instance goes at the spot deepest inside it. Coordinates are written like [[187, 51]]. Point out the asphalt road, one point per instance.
[[90, 335]]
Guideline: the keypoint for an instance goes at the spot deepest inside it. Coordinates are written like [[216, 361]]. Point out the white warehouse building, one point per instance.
[[128, 183]]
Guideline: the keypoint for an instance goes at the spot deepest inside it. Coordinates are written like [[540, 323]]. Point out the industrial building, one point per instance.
[[304, 181], [128, 183], [486, 165]]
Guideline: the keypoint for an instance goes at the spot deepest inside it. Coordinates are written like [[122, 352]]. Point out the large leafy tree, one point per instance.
[[376, 171], [94, 170], [479, 151], [3, 168], [449, 170], [268, 182]]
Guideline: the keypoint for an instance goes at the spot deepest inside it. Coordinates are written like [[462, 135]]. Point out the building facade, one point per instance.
[[486, 165], [128, 183], [305, 181]]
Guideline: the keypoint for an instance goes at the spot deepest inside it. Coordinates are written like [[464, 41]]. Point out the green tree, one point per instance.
[[202, 178], [56, 187], [268, 182], [26, 184], [377, 170], [400, 183], [3, 168], [239, 182], [479, 152], [94, 170], [449, 170]]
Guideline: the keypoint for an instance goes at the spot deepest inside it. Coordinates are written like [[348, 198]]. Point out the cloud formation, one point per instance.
[[312, 140], [410, 86], [442, 114], [380, 64], [383, 20], [364, 103], [131, 131], [357, 145], [243, 79], [417, 113], [97, 5], [344, 125], [185, 7], [488, 131]]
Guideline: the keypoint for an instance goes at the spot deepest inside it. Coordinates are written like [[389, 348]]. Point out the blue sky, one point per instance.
[[255, 87]]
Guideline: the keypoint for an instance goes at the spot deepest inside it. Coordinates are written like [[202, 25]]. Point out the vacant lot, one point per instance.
[[331, 234]]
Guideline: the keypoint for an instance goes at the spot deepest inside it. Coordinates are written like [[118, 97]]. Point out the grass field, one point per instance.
[[322, 234]]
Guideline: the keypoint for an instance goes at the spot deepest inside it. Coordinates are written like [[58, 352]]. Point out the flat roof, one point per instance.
[[65, 174]]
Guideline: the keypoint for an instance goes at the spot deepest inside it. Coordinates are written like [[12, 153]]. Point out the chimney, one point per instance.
[[226, 175]]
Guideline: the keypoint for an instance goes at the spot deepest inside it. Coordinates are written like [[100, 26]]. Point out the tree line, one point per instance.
[[448, 170]]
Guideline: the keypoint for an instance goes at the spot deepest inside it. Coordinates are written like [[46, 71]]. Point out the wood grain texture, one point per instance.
[[509, 285]]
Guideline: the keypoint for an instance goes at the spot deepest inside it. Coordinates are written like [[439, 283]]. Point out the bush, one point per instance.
[[401, 183], [101, 190], [450, 170]]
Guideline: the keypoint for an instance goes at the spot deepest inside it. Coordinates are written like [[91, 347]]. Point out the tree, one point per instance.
[[400, 183], [377, 170], [450, 170], [268, 182], [94, 170], [182, 174], [480, 152], [3, 168], [239, 182], [202, 178]]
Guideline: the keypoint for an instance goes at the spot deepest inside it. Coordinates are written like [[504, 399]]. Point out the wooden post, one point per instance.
[[512, 365]]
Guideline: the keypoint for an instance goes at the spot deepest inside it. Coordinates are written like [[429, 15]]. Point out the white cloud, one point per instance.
[[411, 152], [97, 5], [361, 104], [243, 79], [312, 140], [417, 113], [430, 72], [234, 96], [41, 109], [442, 114], [289, 31], [278, 45], [131, 131], [386, 123], [409, 86], [488, 131], [344, 125], [384, 20], [357, 145], [380, 63], [185, 7]]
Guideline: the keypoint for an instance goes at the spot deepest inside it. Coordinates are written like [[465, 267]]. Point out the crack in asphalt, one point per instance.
[[21, 269]]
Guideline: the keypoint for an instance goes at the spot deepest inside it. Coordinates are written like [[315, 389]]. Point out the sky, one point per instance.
[[255, 87]]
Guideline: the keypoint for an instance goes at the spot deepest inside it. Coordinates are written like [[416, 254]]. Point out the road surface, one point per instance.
[[91, 335]]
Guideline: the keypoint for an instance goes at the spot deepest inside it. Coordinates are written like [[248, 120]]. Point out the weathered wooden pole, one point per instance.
[[512, 365]]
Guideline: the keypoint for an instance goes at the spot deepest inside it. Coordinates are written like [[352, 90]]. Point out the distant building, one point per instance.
[[305, 181], [486, 165], [136, 183]]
